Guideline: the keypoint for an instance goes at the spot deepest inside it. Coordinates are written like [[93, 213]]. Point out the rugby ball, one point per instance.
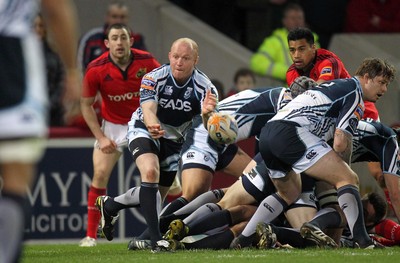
[[222, 128]]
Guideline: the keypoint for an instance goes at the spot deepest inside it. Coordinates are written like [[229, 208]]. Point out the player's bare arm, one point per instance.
[[209, 105], [342, 144], [105, 144], [150, 119]]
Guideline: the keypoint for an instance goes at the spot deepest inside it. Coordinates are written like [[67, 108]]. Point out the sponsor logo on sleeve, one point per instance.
[[148, 83], [359, 112], [326, 71]]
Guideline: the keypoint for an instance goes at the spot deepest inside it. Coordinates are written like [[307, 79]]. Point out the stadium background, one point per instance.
[[59, 195]]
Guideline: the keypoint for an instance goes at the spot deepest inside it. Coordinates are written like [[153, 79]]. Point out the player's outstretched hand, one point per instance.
[[209, 103], [155, 131]]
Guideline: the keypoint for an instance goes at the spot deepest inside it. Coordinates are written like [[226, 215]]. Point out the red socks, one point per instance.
[[93, 213]]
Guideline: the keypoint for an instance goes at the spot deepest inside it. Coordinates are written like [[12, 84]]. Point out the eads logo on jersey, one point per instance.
[[141, 72]]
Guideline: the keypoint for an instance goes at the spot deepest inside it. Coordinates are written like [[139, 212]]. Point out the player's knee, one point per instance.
[[289, 197], [151, 174], [351, 178]]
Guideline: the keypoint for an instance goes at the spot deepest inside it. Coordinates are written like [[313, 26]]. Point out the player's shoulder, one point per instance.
[[162, 72], [339, 88], [324, 54], [99, 62], [201, 78], [341, 82]]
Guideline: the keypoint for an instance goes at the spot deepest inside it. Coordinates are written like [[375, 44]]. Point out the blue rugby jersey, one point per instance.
[[177, 104]]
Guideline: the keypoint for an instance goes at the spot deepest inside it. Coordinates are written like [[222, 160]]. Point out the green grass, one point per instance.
[[117, 252]]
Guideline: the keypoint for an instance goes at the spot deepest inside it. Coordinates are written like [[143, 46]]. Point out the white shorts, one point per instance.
[[200, 151], [115, 132], [306, 199], [27, 150], [285, 146]]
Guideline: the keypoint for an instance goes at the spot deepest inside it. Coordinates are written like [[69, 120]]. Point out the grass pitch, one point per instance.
[[117, 252]]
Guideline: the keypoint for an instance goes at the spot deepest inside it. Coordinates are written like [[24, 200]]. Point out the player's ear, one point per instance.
[[366, 77], [131, 40], [106, 43]]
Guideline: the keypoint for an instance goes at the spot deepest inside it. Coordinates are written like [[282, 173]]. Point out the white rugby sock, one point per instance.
[[11, 229], [201, 211], [129, 198], [269, 209], [212, 196]]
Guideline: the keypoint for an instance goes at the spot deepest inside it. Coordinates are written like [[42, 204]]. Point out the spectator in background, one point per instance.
[[243, 79], [55, 74], [91, 44], [373, 16], [272, 58]]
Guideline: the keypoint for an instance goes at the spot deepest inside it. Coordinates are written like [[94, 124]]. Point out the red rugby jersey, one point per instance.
[[119, 89], [328, 66]]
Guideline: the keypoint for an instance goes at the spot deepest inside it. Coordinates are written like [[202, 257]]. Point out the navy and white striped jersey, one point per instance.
[[334, 104], [376, 142], [23, 91], [16, 17], [253, 108], [177, 105]]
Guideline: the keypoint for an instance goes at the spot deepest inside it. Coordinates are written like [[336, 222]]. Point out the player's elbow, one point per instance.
[[342, 141], [340, 146]]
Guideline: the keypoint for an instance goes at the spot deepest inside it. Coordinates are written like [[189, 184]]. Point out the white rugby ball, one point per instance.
[[222, 128]]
